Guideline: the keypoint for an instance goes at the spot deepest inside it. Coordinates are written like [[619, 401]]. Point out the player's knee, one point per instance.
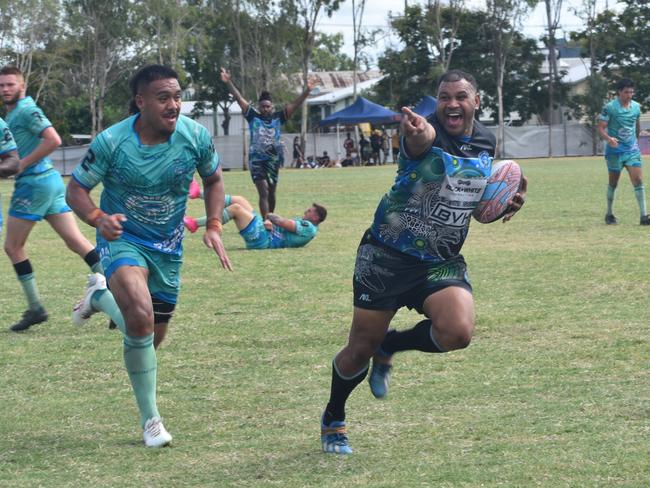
[[456, 335], [139, 318], [11, 248]]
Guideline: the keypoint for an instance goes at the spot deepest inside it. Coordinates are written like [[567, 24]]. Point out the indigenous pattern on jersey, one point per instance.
[[148, 184], [257, 237], [265, 135], [7, 142], [427, 212], [305, 232], [621, 124], [27, 121]]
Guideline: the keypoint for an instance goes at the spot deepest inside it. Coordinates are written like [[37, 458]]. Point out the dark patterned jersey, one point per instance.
[[427, 211]]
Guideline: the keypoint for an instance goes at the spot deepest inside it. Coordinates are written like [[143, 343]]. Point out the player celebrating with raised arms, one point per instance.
[[265, 154], [619, 126], [39, 192], [410, 256], [146, 164]]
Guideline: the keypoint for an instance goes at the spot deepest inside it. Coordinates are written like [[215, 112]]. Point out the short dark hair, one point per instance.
[[10, 70], [623, 84], [264, 96], [146, 75], [321, 211], [454, 75]]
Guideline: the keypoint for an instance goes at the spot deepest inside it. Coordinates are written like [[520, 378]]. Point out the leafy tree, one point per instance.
[[621, 41], [327, 55]]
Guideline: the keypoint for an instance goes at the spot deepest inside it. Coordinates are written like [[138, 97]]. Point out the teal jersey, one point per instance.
[[305, 232], [148, 184], [621, 124], [27, 121], [7, 142]]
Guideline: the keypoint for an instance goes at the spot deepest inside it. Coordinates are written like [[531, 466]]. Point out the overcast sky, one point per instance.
[[377, 12]]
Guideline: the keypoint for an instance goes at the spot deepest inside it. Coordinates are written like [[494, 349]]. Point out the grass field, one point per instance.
[[554, 390]]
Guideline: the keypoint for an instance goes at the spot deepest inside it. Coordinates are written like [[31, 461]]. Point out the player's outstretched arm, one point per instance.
[[9, 163], [227, 79], [517, 201], [214, 196], [78, 197], [418, 133], [293, 106]]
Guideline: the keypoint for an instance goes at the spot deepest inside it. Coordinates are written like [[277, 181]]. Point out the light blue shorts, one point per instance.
[[616, 162], [255, 234], [164, 280], [37, 196]]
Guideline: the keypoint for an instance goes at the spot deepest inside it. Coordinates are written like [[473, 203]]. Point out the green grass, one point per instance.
[[552, 392]]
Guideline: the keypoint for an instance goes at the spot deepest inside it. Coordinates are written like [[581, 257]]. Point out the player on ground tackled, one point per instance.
[[273, 233]]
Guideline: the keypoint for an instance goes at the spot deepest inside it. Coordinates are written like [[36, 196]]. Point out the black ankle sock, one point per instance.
[[91, 258], [417, 338], [339, 393]]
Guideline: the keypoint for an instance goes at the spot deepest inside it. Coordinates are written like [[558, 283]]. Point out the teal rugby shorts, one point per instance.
[[255, 234], [39, 195], [164, 281], [616, 162]]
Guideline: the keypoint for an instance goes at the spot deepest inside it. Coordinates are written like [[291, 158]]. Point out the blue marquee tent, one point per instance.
[[362, 111], [426, 106]]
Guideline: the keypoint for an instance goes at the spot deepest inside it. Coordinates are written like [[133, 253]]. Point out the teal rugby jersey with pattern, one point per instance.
[[265, 133], [27, 121], [305, 232], [148, 184], [621, 124], [7, 142]]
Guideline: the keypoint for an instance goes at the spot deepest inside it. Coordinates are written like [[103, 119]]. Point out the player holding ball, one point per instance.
[[410, 256]]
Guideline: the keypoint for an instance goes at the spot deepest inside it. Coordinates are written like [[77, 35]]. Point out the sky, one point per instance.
[[377, 12]]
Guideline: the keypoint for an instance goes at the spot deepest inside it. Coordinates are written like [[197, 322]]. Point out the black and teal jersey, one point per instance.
[[148, 184], [427, 211]]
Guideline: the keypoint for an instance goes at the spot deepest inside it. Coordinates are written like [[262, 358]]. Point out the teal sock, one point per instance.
[[97, 268], [28, 282], [141, 364], [225, 216], [104, 301], [639, 193], [611, 190], [201, 221]]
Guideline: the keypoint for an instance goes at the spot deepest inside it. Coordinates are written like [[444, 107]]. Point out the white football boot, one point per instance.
[[83, 310], [155, 434]]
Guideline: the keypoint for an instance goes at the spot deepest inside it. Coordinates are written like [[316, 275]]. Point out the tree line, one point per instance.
[[77, 55]]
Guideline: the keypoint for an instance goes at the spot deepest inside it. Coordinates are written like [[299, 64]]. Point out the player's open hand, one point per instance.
[[517, 201], [225, 75], [110, 226], [212, 240]]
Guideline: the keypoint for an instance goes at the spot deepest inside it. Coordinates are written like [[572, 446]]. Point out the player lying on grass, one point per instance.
[[273, 233]]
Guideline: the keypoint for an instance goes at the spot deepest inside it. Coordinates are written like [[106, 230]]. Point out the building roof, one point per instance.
[[342, 93], [576, 69]]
